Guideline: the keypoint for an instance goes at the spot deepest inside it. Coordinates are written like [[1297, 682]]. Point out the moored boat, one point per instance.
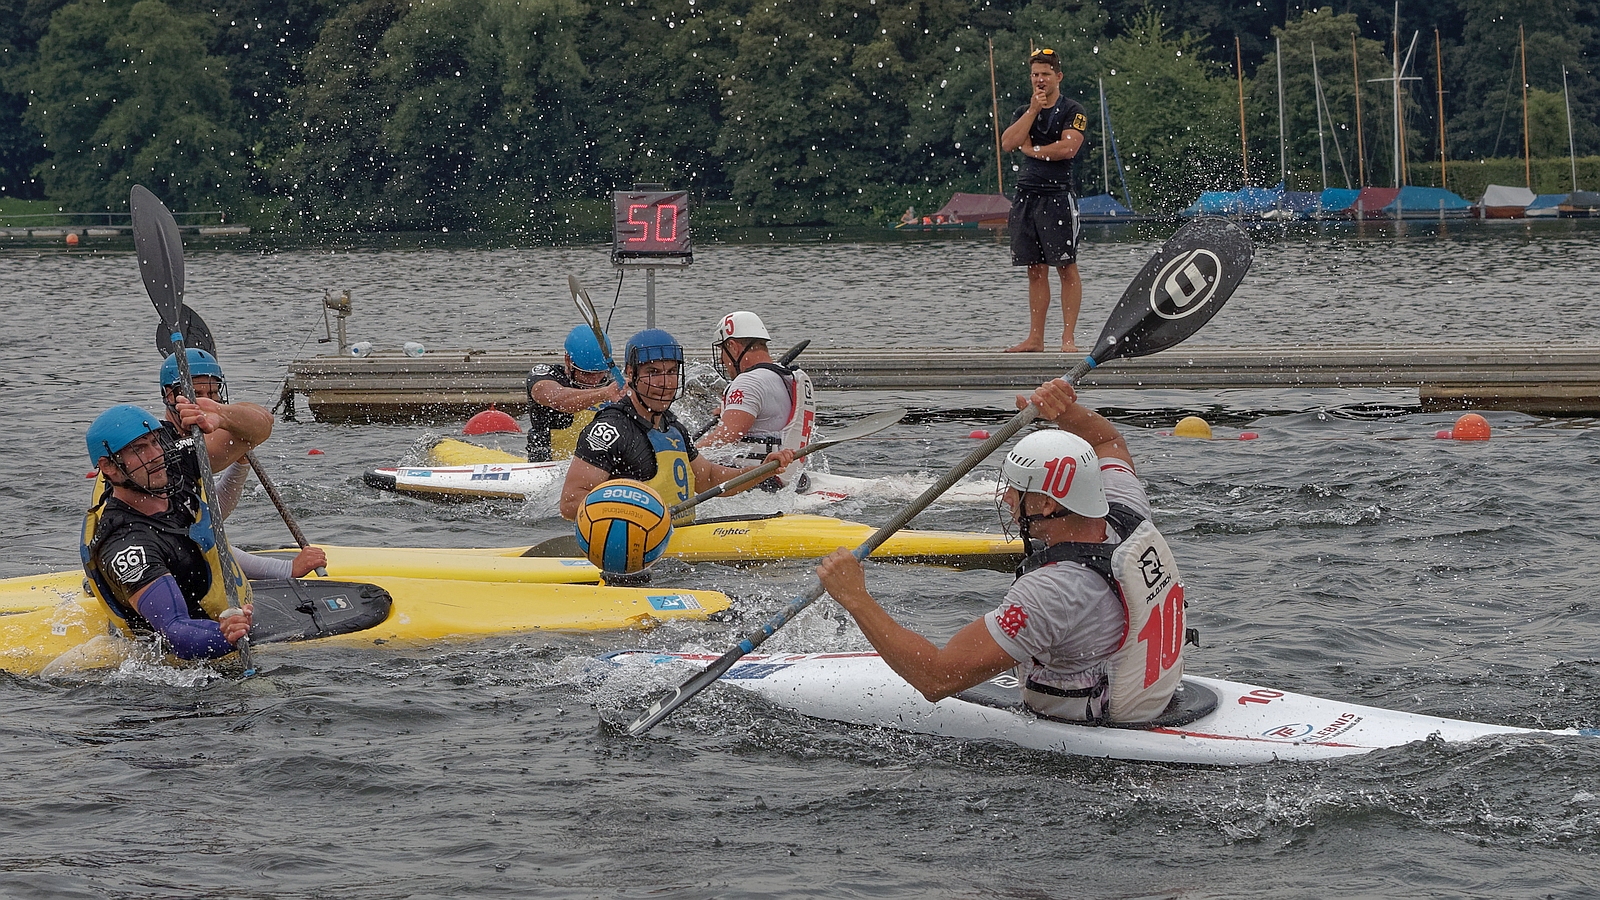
[[1211, 721]]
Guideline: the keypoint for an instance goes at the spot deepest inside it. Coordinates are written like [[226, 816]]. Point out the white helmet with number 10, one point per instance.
[[1061, 466]]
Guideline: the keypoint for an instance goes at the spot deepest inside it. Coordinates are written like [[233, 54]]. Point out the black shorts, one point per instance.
[[1044, 229]]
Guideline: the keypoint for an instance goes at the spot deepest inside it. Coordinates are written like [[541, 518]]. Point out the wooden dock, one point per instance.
[[443, 385]]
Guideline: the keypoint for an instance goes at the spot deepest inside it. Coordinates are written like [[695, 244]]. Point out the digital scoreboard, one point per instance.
[[650, 226]]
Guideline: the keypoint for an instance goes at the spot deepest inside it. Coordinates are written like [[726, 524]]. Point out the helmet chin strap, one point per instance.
[[1026, 520]]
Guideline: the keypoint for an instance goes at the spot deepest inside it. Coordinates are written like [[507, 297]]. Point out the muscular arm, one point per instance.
[[570, 399], [1058, 402], [1016, 134], [230, 429], [582, 477], [971, 656], [734, 425], [1066, 148], [708, 474]]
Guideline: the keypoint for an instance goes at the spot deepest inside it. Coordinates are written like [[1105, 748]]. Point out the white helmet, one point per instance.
[[741, 324], [1061, 466]]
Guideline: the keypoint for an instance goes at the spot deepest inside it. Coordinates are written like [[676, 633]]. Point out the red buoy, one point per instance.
[[1471, 427], [491, 421]]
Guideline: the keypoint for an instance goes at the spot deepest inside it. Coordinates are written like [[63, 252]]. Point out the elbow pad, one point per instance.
[[163, 606]]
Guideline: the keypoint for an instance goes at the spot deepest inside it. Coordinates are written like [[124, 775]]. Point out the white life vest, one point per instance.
[[801, 426], [1147, 666]]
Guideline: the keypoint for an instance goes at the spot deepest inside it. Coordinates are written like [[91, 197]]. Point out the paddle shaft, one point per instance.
[[283, 509], [872, 425]]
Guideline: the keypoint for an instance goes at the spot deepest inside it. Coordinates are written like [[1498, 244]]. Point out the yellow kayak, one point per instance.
[[76, 631], [785, 536], [456, 452]]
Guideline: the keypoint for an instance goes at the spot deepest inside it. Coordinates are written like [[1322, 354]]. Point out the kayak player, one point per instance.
[[209, 383], [638, 437], [1093, 623], [562, 399], [766, 404], [148, 546]]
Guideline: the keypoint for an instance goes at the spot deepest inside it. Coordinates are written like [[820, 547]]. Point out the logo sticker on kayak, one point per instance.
[[755, 670], [417, 473], [673, 602], [336, 603], [1185, 284]]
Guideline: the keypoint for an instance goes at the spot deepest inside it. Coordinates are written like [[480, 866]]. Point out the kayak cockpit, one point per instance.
[[1190, 702]]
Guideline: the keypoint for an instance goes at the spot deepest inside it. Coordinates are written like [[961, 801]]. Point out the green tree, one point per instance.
[[1174, 113], [124, 93]]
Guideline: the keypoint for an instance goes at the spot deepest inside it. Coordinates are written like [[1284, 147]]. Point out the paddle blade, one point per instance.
[[591, 317], [155, 239], [1177, 291], [195, 333]]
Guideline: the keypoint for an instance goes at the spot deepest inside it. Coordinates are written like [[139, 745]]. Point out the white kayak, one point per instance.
[[1212, 722], [518, 480]]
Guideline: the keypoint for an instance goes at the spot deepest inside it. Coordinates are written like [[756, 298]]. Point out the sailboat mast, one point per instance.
[[994, 109], [1439, 78], [1361, 147], [1283, 142], [1105, 138], [1527, 160], [1399, 180], [1316, 82], [1244, 145], [1572, 149]]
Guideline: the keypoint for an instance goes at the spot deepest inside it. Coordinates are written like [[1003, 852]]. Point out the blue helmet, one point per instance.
[[653, 344], [200, 363], [118, 427], [585, 351]]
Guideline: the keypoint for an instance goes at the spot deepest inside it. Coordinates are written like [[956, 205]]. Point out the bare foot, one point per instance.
[[1028, 346], [1069, 347]]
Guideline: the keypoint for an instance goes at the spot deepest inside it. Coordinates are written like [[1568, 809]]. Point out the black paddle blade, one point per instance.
[[1178, 290], [789, 355], [195, 333], [155, 239]]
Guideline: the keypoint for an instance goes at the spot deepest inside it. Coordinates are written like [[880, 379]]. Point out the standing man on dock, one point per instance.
[[1044, 215]]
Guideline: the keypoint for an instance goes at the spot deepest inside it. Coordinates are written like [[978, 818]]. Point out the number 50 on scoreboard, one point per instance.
[[650, 227]]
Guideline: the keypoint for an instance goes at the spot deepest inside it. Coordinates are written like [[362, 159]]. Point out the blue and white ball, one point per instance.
[[623, 526]]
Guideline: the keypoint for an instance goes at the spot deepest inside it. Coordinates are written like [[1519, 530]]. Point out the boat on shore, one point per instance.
[[1210, 722]]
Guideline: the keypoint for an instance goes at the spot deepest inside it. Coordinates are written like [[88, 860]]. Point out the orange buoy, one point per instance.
[[491, 421], [979, 435], [313, 452], [72, 239], [1248, 435], [1471, 427]]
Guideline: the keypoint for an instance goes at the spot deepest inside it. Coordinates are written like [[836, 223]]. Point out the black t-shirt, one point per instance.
[[618, 441], [1056, 175], [133, 550], [541, 419]]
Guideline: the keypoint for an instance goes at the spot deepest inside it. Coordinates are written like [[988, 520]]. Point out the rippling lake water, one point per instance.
[[1344, 553]]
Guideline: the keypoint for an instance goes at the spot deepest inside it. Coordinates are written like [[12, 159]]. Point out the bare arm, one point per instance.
[[582, 477], [571, 399], [708, 474], [734, 425], [230, 429], [1066, 148], [1058, 402], [971, 656]]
